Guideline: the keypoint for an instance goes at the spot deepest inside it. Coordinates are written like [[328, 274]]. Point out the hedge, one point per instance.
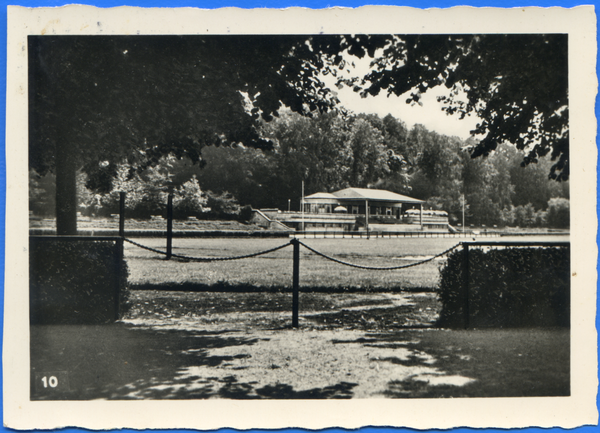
[[509, 287], [75, 282]]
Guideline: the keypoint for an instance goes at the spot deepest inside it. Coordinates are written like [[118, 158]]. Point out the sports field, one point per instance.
[[274, 270]]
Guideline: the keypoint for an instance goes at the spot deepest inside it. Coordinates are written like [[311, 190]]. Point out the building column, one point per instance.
[[421, 216]]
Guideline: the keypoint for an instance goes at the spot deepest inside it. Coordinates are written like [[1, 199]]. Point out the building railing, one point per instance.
[[376, 234]]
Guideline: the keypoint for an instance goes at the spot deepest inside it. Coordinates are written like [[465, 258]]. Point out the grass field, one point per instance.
[[274, 270]]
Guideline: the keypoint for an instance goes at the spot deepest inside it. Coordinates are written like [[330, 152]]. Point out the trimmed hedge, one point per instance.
[[510, 287], [75, 282]]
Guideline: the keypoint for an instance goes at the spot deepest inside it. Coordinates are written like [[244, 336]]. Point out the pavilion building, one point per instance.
[[353, 209]]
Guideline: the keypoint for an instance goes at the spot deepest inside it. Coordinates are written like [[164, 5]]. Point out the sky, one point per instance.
[[429, 113]]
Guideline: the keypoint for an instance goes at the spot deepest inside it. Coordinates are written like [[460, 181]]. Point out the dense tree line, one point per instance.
[[331, 151]]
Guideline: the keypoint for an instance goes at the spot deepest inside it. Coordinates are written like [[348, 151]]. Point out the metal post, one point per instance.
[[169, 225], [122, 214], [118, 271], [463, 209], [295, 282], [466, 312], [367, 216], [302, 206]]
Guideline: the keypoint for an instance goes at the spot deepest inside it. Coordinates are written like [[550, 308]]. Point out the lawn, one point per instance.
[[274, 270]]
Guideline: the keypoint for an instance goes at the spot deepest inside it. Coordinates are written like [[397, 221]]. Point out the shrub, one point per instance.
[[188, 199], [73, 282], [222, 206], [509, 287], [246, 214]]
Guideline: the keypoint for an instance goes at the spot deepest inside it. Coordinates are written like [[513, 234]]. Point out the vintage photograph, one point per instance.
[[307, 216]]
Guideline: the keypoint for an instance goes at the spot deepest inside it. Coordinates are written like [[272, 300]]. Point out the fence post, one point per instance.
[[119, 271], [169, 225], [295, 282], [466, 312], [122, 214]]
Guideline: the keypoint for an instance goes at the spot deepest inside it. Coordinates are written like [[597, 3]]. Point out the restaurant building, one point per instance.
[[355, 209]]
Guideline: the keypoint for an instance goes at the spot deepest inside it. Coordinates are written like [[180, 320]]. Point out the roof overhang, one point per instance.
[[379, 195]]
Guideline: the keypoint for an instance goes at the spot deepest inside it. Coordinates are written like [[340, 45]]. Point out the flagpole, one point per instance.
[[302, 205], [463, 203]]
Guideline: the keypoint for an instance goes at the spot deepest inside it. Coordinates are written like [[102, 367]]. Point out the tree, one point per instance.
[[243, 172], [146, 192], [367, 153], [558, 213], [395, 135], [531, 182], [437, 169], [97, 102], [189, 199], [516, 84], [313, 150], [222, 205]]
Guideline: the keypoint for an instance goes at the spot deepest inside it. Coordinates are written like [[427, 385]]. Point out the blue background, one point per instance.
[[210, 4]]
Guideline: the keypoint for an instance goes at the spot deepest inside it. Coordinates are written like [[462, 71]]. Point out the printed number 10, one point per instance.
[[52, 381]]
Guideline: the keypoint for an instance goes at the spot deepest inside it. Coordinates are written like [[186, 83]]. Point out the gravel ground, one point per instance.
[[176, 345]]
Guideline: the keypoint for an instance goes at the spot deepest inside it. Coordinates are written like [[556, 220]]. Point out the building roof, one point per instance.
[[325, 195], [373, 194]]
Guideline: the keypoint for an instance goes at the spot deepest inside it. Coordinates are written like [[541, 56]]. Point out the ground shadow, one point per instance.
[[126, 362], [478, 363], [121, 361], [372, 319]]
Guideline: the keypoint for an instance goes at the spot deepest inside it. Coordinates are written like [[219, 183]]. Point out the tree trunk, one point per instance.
[[66, 191]]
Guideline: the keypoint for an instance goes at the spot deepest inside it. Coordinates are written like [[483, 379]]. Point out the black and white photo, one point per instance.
[[393, 215]]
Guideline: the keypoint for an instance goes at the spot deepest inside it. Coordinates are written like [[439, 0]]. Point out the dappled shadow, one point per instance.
[[340, 391], [134, 362], [476, 363], [128, 362], [235, 390], [121, 361]]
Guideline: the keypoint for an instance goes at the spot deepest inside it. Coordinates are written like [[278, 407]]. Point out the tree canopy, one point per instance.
[[517, 85], [141, 97], [97, 101]]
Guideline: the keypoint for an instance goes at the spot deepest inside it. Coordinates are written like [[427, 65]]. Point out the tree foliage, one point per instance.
[[144, 97], [517, 85], [134, 99]]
